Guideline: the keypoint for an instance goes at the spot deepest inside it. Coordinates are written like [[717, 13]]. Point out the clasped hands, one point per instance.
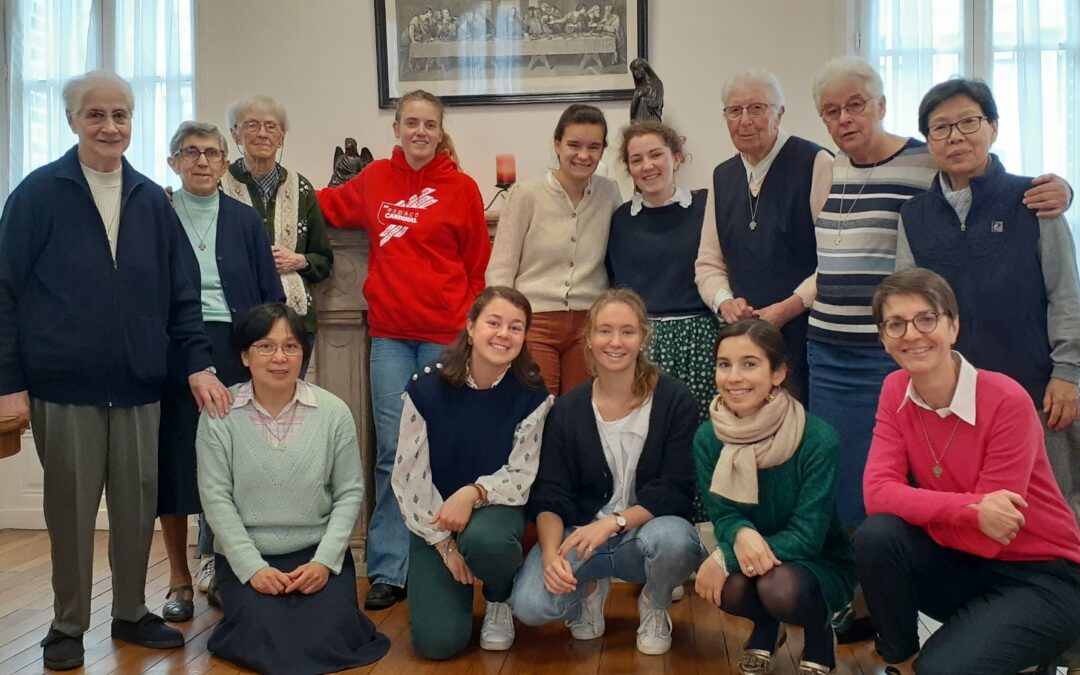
[[558, 574], [1000, 517], [307, 579]]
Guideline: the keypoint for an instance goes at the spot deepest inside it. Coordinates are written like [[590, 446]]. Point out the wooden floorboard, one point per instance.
[[705, 639]]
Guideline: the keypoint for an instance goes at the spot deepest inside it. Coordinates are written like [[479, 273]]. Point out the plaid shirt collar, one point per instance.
[[268, 184], [245, 394]]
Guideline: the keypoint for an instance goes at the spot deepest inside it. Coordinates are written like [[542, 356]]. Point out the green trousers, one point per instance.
[[440, 609]]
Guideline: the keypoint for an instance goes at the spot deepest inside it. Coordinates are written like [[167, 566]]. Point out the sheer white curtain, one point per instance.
[[1027, 50], [148, 42]]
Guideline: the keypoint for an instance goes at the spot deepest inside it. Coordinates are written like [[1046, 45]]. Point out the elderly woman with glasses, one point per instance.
[[1014, 272], [967, 524], [282, 484], [234, 271], [757, 254], [285, 200]]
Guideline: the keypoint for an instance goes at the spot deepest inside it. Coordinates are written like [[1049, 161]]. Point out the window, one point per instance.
[[147, 42], [1028, 51]]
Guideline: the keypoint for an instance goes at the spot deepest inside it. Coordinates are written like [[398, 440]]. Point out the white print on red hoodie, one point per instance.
[[404, 211]]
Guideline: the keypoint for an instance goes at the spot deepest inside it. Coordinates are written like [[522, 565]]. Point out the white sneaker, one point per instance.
[[203, 573], [678, 593], [654, 633], [497, 633], [590, 625]]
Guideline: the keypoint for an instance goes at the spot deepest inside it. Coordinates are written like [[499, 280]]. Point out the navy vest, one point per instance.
[[654, 253], [470, 431], [993, 266]]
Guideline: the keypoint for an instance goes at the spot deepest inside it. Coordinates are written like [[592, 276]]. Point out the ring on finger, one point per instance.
[[750, 569]]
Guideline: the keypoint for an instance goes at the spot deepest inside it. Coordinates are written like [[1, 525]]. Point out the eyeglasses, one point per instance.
[[968, 125], [191, 154], [924, 322], [734, 112], [96, 117], [269, 349], [253, 126], [853, 107]]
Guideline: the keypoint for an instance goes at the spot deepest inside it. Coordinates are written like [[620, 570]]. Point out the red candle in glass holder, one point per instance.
[[505, 171]]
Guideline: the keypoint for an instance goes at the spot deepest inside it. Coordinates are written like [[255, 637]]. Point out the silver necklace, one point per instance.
[[938, 470], [753, 205], [206, 231], [854, 201]]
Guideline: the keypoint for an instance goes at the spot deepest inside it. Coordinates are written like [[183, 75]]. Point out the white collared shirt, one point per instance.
[[755, 174], [682, 197], [963, 400]]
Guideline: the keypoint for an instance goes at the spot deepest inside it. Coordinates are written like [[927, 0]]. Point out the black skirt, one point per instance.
[[178, 488], [295, 634]]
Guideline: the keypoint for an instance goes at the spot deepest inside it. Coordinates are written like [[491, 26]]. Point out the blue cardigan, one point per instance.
[[574, 481], [75, 327]]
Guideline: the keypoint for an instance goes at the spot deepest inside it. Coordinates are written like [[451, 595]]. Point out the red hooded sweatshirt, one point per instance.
[[429, 244]]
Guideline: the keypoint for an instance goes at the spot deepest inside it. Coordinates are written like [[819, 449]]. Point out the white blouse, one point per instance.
[[623, 440]]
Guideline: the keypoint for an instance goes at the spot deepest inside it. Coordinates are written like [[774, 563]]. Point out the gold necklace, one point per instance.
[[937, 470], [854, 200]]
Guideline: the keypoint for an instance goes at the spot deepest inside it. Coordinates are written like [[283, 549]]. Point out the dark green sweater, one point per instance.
[[311, 239], [795, 512]]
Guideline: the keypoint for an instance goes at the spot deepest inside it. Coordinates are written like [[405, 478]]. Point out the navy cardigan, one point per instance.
[[75, 326], [245, 264], [574, 481]]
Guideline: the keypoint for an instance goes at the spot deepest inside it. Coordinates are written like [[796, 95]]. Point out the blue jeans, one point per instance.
[[392, 364], [845, 383], [660, 554]]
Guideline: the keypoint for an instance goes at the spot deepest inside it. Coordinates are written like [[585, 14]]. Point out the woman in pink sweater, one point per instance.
[[967, 523]]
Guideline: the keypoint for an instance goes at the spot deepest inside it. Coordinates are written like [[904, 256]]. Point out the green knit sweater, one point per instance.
[[311, 239], [263, 501], [795, 512]]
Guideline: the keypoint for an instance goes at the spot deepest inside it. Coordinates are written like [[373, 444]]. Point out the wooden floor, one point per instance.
[[705, 639]]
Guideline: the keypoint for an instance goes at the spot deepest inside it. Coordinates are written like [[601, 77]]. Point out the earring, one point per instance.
[[772, 396], [470, 340]]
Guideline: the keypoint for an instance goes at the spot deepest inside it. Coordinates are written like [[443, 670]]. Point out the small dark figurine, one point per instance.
[[349, 162], [648, 101]]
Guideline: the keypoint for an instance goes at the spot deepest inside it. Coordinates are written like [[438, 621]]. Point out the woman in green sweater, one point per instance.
[[281, 484], [766, 470]]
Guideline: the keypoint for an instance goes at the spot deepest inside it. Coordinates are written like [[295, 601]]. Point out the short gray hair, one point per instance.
[[241, 108], [845, 68], [757, 77], [201, 129], [75, 89]]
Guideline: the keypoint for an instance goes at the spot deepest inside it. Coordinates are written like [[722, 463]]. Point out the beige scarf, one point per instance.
[[765, 439]]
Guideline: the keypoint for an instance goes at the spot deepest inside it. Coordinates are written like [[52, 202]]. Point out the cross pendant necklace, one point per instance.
[[937, 469], [753, 205]]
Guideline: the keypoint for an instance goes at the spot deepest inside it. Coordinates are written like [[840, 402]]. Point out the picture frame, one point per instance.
[[481, 52]]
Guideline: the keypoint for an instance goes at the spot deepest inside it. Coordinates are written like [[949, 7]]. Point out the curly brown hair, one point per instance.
[[669, 136]]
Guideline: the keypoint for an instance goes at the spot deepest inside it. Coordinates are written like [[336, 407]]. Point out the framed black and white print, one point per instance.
[[471, 52]]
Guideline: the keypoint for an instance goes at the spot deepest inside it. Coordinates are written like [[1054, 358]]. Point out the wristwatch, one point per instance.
[[620, 520], [210, 369]]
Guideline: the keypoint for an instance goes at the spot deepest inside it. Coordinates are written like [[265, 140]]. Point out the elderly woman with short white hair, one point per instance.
[[234, 271], [285, 200]]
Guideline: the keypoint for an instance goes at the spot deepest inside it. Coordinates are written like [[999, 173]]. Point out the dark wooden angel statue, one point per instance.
[[349, 162], [648, 100]]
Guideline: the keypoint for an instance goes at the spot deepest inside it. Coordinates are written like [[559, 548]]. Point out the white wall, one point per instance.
[[318, 59]]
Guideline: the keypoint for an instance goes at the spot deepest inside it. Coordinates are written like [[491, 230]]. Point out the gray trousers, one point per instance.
[[84, 449], [1063, 448]]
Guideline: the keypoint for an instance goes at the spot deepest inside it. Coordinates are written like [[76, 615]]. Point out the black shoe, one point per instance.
[[213, 595], [62, 652], [854, 629], [149, 631], [381, 596], [181, 607]]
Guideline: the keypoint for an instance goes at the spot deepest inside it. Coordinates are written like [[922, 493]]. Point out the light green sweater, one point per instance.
[[263, 501]]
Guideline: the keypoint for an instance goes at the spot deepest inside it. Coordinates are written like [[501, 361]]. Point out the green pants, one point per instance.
[[440, 609]]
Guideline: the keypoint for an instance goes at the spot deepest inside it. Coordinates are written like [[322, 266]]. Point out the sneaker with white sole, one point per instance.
[[678, 593], [590, 625], [203, 573], [654, 632], [497, 633]]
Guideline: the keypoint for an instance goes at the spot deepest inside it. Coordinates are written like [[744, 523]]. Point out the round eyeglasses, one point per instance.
[[269, 349], [253, 126], [191, 154], [968, 125], [734, 112], [924, 322]]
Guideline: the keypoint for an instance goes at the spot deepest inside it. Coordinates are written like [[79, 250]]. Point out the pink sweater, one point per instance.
[[1004, 450]]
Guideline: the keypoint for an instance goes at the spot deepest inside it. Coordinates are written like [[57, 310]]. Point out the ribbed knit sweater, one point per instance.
[[551, 250], [1004, 449], [263, 501]]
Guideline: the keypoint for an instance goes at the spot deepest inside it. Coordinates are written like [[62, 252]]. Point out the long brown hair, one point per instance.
[[457, 354], [646, 373]]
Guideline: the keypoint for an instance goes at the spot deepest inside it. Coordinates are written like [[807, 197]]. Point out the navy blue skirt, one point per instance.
[[295, 634]]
